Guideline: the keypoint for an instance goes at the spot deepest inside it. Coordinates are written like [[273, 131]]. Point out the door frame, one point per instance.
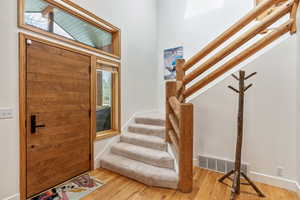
[[22, 106]]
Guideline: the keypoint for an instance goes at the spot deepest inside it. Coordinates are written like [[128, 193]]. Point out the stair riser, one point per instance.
[[147, 131], [148, 144], [131, 173], [156, 122], [164, 163]]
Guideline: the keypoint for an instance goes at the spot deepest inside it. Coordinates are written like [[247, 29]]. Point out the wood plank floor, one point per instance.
[[206, 187]]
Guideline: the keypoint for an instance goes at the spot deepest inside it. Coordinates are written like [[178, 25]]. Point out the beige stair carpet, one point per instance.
[[147, 130], [142, 153], [146, 155], [152, 142], [151, 119]]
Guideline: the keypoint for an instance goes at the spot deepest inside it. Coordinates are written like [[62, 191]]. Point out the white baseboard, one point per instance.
[[298, 189], [13, 197], [266, 179], [196, 162], [275, 181]]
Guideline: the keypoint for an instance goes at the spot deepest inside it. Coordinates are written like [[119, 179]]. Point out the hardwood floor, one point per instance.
[[206, 187]]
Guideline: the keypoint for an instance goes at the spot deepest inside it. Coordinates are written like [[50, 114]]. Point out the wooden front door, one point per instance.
[[57, 115]]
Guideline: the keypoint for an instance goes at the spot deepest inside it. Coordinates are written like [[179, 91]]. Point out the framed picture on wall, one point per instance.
[[170, 57]]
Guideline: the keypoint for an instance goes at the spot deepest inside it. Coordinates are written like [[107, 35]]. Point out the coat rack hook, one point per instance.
[[235, 77], [249, 86], [230, 87], [249, 76]]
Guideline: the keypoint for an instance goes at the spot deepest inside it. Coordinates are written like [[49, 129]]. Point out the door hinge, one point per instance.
[[90, 156], [28, 42]]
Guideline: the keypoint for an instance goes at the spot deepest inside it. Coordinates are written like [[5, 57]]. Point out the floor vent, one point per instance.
[[219, 165]]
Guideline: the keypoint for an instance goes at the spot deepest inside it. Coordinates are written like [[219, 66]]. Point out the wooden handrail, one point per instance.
[[175, 105], [293, 16], [269, 20], [175, 125], [173, 139], [179, 88], [286, 27], [170, 91], [230, 32], [179, 115], [180, 73]]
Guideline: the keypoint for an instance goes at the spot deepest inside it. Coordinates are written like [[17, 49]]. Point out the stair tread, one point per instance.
[[150, 138], [149, 141], [143, 152], [154, 115], [147, 129], [147, 174], [151, 119], [147, 126]]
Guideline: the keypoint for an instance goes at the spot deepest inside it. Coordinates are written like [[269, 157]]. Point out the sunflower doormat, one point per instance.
[[73, 189]]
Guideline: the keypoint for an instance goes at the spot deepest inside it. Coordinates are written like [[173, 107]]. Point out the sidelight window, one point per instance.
[[107, 98]]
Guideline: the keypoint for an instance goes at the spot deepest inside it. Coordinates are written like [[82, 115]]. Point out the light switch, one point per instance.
[[6, 113]]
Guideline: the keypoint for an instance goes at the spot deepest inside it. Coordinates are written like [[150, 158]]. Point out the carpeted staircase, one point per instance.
[[142, 153]]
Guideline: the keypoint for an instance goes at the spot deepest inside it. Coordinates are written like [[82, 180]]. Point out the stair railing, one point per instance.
[[179, 115]]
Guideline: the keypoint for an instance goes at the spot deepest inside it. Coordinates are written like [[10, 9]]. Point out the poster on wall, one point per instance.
[[170, 57]]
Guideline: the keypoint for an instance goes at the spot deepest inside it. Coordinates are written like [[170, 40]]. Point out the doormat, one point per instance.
[[74, 189]]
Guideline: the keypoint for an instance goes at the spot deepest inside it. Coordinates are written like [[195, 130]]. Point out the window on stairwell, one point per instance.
[[107, 98]]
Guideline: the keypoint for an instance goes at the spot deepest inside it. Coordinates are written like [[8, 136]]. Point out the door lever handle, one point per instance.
[[33, 124]]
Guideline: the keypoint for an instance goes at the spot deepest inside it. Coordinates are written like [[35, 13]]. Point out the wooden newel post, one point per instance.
[[182, 126], [240, 128], [186, 148], [179, 78], [170, 91]]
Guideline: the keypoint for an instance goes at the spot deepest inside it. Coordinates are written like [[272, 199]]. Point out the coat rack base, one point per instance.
[[236, 182]]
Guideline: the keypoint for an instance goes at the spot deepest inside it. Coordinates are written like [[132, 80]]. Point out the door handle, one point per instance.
[[33, 124]]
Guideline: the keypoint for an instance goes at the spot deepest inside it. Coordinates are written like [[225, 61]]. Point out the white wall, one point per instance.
[[139, 47], [192, 24], [298, 106], [137, 20], [270, 116]]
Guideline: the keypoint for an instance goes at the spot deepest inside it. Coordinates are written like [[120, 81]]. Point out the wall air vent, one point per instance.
[[219, 165]]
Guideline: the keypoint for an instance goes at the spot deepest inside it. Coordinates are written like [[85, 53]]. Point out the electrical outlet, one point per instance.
[[280, 171], [6, 113]]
